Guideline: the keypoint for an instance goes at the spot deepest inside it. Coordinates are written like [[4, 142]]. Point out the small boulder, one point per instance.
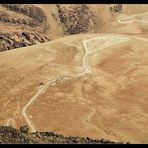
[[24, 129]]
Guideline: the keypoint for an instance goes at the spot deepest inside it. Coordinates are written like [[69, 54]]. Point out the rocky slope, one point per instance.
[[30, 24], [82, 85], [16, 39], [58, 20], [97, 85], [18, 17], [10, 135]]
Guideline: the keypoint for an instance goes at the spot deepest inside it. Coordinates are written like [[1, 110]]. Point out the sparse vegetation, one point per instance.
[[75, 21], [116, 8], [34, 12], [8, 41], [6, 19], [10, 135], [41, 83]]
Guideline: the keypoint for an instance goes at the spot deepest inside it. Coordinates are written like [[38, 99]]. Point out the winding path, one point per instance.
[[85, 66], [43, 89], [108, 40], [128, 19], [102, 42]]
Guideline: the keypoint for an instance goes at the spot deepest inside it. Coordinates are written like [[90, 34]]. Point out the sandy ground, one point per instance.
[[103, 20], [89, 85], [108, 102]]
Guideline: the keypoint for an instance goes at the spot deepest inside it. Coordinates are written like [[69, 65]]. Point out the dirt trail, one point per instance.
[[86, 68], [103, 42], [107, 42], [42, 90], [128, 19]]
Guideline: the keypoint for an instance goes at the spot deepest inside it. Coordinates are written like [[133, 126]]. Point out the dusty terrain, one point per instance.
[[82, 85], [10, 135], [87, 85], [23, 25]]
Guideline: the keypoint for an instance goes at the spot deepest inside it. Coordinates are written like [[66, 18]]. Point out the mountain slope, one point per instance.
[[46, 22], [9, 135], [82, 85]]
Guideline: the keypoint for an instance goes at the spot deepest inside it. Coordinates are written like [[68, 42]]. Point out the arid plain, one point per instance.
[[88, 85]]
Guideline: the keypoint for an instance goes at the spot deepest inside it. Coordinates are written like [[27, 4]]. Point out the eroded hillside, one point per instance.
[[47, 22], [10, 135], [81, 85]]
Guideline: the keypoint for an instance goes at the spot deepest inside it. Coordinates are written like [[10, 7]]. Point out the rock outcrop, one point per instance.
[[10, 135], [16, 39]]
